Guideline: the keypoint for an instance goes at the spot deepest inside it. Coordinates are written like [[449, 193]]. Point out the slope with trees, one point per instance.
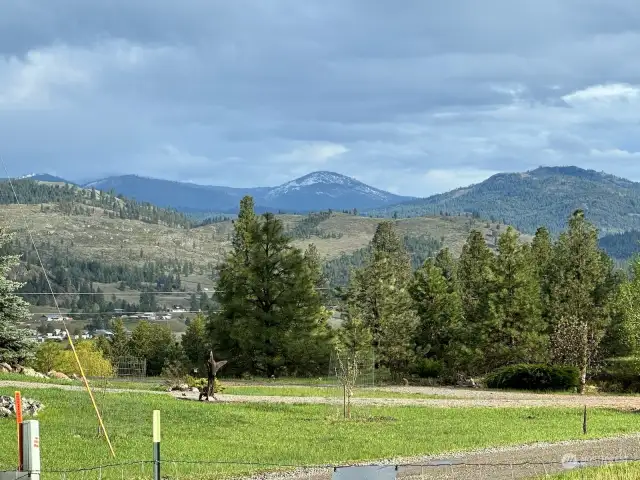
[[544, 196]]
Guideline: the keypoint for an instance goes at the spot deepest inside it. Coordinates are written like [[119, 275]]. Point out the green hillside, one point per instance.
[[545, 196]]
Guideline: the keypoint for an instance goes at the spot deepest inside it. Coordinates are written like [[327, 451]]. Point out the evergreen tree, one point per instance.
[[354, 338], [194, 303], [272, 319], [541, 257], [447, 264], [195, 343], [580, 296], [243, 228], [475, 277], [16, 346], [440, 330], [155, 343], [378, 293], [119, 340], [517, 333]]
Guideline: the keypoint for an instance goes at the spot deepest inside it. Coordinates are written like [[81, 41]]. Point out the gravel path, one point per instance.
[[463, 398], [525, 461]]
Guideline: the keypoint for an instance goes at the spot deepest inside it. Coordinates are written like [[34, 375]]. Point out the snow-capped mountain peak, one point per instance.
[[327, 183]]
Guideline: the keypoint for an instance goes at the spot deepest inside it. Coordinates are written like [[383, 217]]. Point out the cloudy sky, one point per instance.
[[412, 96]]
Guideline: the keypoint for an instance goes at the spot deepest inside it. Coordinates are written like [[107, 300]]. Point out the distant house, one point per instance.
[[103, 333], [55, 317]]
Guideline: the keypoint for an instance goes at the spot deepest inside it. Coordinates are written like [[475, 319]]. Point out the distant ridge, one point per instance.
[[544, 196], [313, 192]]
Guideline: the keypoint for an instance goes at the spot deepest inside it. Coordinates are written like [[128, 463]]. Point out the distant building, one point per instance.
[[55, 317], [103, 333]]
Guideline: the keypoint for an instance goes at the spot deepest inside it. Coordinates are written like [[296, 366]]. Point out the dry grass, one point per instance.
[[102, 238]]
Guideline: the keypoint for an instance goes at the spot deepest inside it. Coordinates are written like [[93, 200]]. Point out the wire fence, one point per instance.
[[432, 469]]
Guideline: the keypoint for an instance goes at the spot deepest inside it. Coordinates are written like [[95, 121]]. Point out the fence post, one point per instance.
[[156, 444], [31, 448], [18, 407]]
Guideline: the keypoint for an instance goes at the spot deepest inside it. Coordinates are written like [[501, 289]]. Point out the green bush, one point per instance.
[[201, 384], [619, 375], [534, 377], [428, 368]]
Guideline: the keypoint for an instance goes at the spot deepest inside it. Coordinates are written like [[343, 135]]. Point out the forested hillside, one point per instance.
[[73, 200], [545, 196], [621, 246], [85, 247]]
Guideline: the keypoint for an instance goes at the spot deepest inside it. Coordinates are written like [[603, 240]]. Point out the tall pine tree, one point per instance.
[[541, 256], [517, 332], [440, 332], [272, 319], [475, 277], [580, 295], [379, 294]]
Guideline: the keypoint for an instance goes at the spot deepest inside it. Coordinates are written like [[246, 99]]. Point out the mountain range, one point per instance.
[[526, 200], [313, 192]]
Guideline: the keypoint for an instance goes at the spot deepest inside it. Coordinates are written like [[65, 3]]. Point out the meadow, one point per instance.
[[225, 439]]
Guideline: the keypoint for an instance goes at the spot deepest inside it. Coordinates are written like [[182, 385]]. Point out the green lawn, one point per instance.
[[243, 435], [97, 384]]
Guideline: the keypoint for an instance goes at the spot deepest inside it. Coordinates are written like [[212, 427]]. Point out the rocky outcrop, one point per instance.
[[30, 407], [5, 368]]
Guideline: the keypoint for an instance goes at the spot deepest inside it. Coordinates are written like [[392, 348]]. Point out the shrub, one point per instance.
[[534, 377], [428, 368], [201, 384], [46, 356], [93, 361], [619, 375]]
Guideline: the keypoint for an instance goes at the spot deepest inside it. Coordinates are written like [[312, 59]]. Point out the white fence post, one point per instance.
[[31, 448], [30, 453]]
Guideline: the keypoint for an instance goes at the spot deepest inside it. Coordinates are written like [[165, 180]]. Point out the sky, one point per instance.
[[415, 97]]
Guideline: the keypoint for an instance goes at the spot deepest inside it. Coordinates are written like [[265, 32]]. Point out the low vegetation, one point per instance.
[[617, 471], [534, 377]]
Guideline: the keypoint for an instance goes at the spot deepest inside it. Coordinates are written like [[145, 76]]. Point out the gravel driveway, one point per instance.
[[526, 461], [452, 397]]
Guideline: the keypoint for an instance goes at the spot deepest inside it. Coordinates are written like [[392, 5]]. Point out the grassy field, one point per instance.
[[247, 438], [94, 383]]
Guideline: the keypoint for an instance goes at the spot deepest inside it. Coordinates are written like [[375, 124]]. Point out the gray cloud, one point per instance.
[[417, 97]]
